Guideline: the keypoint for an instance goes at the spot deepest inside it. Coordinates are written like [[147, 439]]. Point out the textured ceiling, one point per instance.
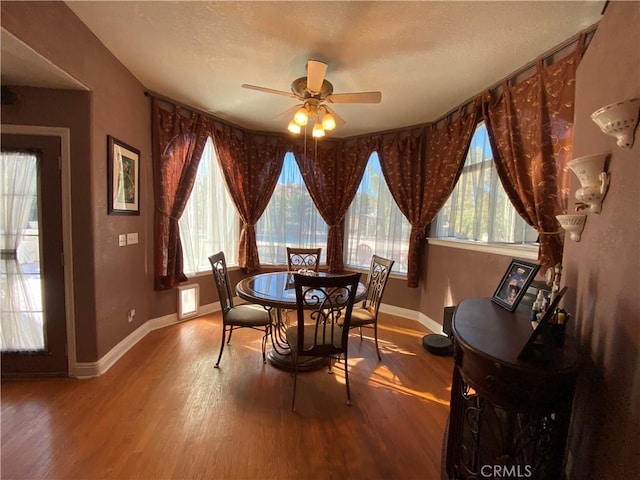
[[425, 57]]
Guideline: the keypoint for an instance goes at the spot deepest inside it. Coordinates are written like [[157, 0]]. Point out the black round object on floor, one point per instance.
[[440, 345]]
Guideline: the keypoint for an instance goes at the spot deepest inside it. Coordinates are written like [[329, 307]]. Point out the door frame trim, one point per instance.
[[65, 176]]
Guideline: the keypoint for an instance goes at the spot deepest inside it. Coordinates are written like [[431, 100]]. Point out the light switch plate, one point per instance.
[[132, 238], [122, 240]]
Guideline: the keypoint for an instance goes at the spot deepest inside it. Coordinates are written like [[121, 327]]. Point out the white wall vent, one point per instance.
[[188, 301]]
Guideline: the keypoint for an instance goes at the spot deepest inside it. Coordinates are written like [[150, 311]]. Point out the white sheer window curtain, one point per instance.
[[374, 224], [22, 315], [479, 208], [291, 219], [210, 222]]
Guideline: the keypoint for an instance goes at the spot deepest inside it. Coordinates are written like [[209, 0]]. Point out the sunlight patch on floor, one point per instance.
[[389, 347], [384, 378], [403, 331]]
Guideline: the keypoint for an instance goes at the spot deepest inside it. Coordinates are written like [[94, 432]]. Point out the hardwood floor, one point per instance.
[[164, 412]]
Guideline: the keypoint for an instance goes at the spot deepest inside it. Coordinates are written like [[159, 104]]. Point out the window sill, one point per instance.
[[365, 272], [527, 252], [205, 273]]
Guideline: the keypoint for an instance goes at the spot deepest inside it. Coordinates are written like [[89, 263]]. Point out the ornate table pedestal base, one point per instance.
[[283, 361], [275, 291]]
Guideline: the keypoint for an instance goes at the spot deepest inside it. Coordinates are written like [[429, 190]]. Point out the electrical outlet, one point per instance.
[[131, 314], [122, 240]]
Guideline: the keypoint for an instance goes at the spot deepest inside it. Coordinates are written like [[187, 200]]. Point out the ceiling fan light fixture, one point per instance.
[[318, 131], [328, 122], [301, 117], [294, 127], [312, 91]]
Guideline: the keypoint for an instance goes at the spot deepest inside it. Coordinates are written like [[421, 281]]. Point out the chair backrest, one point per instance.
[[363, 254], [376, 282], [324, 306], [221, 277], [308, 258]]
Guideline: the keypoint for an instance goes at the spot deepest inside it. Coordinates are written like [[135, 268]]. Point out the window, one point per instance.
[[374, 224], [210, 222], [478, 208], [291, 218]]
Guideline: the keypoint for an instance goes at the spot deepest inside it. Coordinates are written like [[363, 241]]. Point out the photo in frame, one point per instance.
[[123, 171], [514, 284]]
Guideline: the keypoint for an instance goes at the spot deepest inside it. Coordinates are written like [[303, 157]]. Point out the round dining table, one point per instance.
[[276, 292]]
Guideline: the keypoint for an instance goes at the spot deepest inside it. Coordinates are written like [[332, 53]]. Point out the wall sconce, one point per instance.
[[619, 120], [573, 224], [594, 181]]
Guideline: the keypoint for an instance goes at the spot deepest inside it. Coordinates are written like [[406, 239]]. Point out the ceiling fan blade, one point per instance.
[[288, 112], [339, 120], [269, 90], [357, 97], [315, 75]]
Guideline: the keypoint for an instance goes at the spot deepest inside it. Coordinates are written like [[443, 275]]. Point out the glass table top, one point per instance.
[[276, 289]]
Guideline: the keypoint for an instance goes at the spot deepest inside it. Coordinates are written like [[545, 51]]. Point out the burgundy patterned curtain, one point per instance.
[[402, 159], [420, 178], [448, 147], [332, 172], [530, 128], [251, 164], [178, 141]]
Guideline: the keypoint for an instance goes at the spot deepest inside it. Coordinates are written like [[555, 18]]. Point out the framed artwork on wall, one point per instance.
[[123, 171], [514, 284]]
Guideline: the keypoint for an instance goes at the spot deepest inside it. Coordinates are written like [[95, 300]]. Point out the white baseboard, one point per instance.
[[95, 369], [431, 324]]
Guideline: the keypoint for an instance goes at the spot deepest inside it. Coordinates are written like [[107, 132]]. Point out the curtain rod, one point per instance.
[[150, 93], [587, 32]]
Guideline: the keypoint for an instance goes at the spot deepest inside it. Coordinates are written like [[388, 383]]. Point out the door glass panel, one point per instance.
[[21, 305]]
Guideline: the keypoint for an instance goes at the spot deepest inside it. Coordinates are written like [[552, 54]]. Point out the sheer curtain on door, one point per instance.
[[22, 315]]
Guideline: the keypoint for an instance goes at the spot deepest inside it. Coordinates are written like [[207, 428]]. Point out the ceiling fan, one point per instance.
[[314, 91]]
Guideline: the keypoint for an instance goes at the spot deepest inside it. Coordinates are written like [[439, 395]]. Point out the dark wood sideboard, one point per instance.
[[509, 417]]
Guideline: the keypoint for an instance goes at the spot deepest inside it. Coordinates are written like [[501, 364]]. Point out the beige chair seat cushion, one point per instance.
[[310, 341], [248, 315], [361, 316]]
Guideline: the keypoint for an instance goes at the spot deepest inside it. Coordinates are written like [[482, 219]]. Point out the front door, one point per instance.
[[43, 275]]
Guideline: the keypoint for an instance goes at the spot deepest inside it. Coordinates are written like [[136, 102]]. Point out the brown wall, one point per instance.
[[603, 268], [451, 274]]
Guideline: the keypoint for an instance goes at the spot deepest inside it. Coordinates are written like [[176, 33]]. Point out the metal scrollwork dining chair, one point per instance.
[[303, 258], [366, 315], [237, 316], [324, 306]]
